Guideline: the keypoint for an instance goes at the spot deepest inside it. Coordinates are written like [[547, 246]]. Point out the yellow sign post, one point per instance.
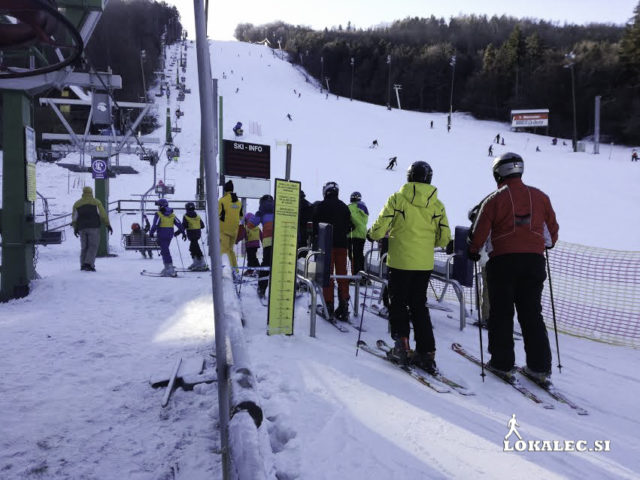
[[283, 264]]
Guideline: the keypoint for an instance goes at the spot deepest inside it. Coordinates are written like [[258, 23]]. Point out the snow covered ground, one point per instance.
[[78, 352]]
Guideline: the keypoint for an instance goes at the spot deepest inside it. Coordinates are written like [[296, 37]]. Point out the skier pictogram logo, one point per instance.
[[512, 424]]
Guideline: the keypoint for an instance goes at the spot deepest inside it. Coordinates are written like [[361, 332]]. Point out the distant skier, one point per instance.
[[554, 141], [392, 163], [538, 149], [193, 224], [498, 138], [238, 129], [634, 156], [289, 116], [163, 221], [491, 150], [431, 124], [374, 144], [502, 141]]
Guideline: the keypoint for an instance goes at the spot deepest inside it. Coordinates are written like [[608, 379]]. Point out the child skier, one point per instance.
[[163, 221], [138, 236], [252, 235], [193, 224], [264, 216]]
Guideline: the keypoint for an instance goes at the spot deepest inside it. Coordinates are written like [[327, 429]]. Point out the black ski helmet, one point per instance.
[[190, 206], [507, 165], [162, 202], [330, 188], [356, 197], [420, 172]]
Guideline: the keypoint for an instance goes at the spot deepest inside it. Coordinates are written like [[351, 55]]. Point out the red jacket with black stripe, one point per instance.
[[516, 218]]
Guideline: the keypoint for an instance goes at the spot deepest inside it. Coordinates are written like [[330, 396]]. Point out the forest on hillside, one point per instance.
[[501, 63]]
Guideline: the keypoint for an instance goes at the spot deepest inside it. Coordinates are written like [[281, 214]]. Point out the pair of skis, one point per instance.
[[438, 382], [513, 380]]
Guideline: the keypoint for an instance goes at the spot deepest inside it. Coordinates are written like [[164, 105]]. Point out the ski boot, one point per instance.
[[508, 374], [201, 265], [541, 377], [193, 265], [330, 311], [168, 270], [425, 361], [342, 313], [400, 351]]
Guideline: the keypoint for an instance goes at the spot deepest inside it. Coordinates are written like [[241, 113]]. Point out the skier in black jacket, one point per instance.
[[334, 211]]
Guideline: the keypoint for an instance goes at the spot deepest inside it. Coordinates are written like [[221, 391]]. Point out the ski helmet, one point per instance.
[[190, 206], [508, 165], [330, 188], [420, 172], [356, 197], [162, 202], [135, 227]]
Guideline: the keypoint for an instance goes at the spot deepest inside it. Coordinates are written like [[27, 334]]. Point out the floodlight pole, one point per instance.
[[453, 72], [570, 57], [208, 106], [352, 67], [389, 83], [397, 87]]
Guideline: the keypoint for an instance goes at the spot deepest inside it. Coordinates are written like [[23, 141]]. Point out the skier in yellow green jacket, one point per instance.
[[417, 223], [87, 216]]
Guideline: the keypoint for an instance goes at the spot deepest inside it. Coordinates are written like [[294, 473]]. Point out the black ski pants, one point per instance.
[[266, 262], [516, 280], [408, 301], [356, 255]]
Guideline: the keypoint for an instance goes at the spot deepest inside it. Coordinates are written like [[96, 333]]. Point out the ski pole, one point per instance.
[[180, 253], [244, 261], [553, 310], [475, 268], [364, 301]]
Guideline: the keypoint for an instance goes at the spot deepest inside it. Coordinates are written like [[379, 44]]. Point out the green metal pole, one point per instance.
[[168, 138], [18, 226], [102, 193], [220, 142]]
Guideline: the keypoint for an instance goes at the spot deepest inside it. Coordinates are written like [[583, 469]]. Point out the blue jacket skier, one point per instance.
[[163, 222]]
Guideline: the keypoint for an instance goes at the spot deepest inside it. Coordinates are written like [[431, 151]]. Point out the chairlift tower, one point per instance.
[[39, 42]]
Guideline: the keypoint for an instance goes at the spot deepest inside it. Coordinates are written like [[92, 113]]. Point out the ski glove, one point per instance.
[[449, 249], [184, 237], [176, 233], [473, 256], [110, 229], [76, 233]]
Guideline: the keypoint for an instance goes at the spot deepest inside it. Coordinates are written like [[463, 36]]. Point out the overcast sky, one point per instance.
[[224, 16]]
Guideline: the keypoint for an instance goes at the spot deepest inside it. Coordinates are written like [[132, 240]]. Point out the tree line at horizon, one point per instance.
[[501, 63]]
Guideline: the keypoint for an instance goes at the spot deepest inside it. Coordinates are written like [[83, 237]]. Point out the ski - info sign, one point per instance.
[[282, 279]]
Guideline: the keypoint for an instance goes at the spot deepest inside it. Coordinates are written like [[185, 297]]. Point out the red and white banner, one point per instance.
[[529, 118]]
